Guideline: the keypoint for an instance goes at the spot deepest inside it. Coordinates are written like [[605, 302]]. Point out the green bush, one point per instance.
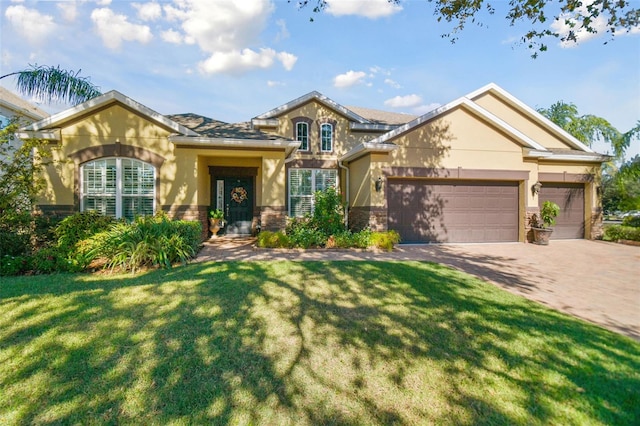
[[14, 242], [146, 242], [14, 265], [268, 239], [328, 212], [80, 226], [633, 221], [49, 260], [384, 240], [621, 232]]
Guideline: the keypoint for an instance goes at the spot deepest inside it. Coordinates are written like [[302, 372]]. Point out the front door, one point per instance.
[[238, 205]]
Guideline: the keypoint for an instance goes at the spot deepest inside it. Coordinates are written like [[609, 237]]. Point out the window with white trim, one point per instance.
[[303, 183], [326, 137], [118, 187], [302, 135]]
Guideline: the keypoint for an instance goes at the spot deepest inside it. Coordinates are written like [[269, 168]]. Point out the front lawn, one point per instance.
[[302, 343]]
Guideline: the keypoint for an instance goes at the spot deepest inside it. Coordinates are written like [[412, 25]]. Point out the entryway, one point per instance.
[[233, 192]]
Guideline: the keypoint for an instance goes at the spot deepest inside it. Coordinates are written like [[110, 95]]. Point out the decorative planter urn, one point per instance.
[[214, 226], [541, 236]]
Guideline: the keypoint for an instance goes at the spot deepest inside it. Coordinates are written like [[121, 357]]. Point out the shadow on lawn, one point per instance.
[[289, 342]]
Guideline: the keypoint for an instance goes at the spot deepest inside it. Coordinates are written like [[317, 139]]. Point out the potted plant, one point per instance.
[[216, 221], [542, 226]]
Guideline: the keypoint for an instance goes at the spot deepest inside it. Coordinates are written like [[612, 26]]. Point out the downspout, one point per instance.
[[346, 211]]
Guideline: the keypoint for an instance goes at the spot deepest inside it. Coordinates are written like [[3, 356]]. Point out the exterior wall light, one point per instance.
[[379, 184], [535, 188]]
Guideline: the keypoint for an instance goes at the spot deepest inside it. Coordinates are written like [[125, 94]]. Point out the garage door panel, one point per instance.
[[570, 198], [453, 212]]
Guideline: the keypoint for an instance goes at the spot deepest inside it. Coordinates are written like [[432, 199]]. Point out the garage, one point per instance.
[[430, 211], [570, 198]]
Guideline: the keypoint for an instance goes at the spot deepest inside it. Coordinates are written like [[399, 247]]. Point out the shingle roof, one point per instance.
[[382, 117], [219, 129]]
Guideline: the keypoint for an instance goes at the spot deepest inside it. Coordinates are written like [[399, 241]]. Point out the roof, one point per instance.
[[14, 104], [317, 96], [382, 117], [101, 101], [209, 127]]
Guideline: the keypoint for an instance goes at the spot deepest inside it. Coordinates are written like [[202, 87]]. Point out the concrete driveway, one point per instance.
[[593, 280]]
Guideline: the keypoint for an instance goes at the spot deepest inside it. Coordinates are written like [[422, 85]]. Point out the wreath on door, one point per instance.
[[239, 194]]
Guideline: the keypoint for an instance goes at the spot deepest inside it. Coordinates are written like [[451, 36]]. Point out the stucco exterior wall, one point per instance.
[[344, 138], [518, 120]]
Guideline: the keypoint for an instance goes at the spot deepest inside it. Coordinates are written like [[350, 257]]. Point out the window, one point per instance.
[[118, 187], [303, 183], [302, 135], [326, 137]]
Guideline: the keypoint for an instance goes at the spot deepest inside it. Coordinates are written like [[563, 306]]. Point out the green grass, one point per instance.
[[302, 343]]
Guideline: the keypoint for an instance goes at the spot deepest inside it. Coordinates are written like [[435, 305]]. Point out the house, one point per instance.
[[473, 170], [13, 106]]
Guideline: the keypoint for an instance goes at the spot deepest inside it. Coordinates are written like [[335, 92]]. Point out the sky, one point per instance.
[[232, 61]]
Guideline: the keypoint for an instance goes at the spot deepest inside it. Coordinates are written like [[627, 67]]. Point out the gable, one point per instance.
[[525, 119]]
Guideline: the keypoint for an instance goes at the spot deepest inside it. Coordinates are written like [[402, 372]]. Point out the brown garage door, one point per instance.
[[464, 211], [570, 198]]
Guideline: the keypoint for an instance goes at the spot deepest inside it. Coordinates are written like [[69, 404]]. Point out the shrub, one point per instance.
[[633, 221], [621, 232], [268, 239], [49, 260], [384, 240], [328, 212], [14, 265], [80, 226], [146, 242], [14, 242]]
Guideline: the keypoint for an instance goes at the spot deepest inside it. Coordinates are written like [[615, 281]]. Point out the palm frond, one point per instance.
[[53, 84]]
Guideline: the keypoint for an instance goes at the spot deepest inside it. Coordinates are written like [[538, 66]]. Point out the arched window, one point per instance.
[[326, 137], [118, 187], [302, 135]]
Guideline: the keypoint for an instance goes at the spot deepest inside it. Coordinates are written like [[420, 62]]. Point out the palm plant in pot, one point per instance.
[[216, 221], [542, 227]]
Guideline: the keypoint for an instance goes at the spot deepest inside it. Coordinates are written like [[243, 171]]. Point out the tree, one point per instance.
[[54, 84], [20, 183], [621, 188], [591, 16], [590, 128]]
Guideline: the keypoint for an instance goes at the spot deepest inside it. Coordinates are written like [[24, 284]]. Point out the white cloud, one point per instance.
[[69, 10], [103, 2], [228, 30], [371, 9], [150, 11], [599, 23], [114, 29], [288, 60], [392, 83], [349, 78], [283, 33], [240, 61], [223, 25], [172, 36], [31, 24], [272, 83], [407, 101], [423, 109]]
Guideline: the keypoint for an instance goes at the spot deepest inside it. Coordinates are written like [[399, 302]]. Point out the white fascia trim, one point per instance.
[[50, 135], [535, 115], [107, 98], [534, 153], [473, 107], [309, 96], [287, 145], [269, 122], [595, 158], [367, 147], [18, 111], [372, 127]]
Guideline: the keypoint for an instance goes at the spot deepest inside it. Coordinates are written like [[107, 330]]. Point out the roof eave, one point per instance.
[[287, 146], [367, 148], [97, 102], [50, 135]]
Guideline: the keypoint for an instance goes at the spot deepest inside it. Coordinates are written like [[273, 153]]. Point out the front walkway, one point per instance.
[[592, 280]]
